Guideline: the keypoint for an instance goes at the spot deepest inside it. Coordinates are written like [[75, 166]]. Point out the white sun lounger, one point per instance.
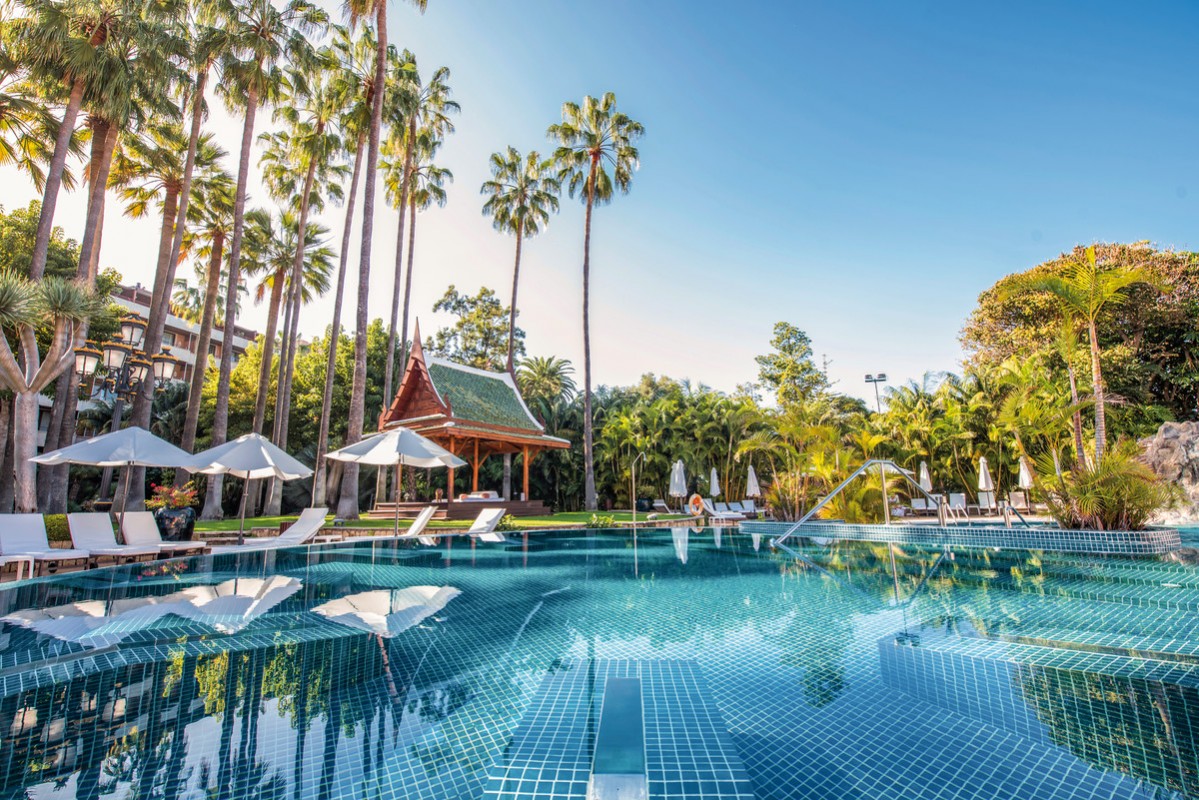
[[24, 536], [418, 527], [715, 513], [93, 533], [140, 529], [484, 526], [303, 531]]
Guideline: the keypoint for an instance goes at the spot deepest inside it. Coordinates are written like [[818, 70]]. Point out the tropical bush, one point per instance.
[[1117, 493]]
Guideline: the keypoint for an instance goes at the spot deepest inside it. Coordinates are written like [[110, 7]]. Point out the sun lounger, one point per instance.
[[302, 532], [957, 505], [484, 526], [919, 505], [22, 562], [93, 533], [723, 516], [140, 529], [24, 535], [418, 526], [751, 508], [1019, 501], [661, 507]]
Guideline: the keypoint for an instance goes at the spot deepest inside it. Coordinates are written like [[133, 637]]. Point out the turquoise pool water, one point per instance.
[[378, 670]]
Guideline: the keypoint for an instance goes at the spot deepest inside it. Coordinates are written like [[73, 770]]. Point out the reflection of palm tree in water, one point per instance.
[[817, 639]]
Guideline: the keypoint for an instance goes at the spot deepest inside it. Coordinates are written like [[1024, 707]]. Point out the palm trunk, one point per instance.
[[589, 495], [58, 163], [1079, 453], [61, 431], [25, 410], [408, 286], [1097, 388], [191, 420], [389, 368], [268, 351], [287, 364], [319, 479], [520, 230], [220, 421], [347, 506]]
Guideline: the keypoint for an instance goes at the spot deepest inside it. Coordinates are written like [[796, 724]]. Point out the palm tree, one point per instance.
[[426, 186], [59, 44], [1086, 289], [347, 506], [211, 218], [27, 129], [264, 37], [521, 195], [423, 122], [596, 156], [355, 77]]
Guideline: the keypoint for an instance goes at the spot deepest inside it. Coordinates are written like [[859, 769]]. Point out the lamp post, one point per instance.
[[876, 380], [118, 367]]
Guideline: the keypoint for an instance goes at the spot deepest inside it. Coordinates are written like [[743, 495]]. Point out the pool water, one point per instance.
[[382, 669]]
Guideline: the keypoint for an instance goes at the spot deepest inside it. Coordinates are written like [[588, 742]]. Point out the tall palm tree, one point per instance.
[[27, 129], [1086, 289], [422, 117], [596, 156], [211, 223], [347, 506], [426, 187], [59, 43], [355, 77], [265, 36], [521, 195], [206, 46]]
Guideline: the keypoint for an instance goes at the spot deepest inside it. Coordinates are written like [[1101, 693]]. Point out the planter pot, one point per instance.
[[176, 524]]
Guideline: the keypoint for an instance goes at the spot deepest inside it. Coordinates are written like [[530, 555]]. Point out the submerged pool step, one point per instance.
[[688, 753]]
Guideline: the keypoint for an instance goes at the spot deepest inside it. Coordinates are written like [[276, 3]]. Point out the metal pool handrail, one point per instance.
[[882, 465]]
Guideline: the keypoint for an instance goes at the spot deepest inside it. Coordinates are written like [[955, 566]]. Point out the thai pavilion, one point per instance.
[[475, 414]]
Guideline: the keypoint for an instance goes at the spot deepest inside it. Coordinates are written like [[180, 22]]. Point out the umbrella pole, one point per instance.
[[241, 527], [125, 500], [396, 503]]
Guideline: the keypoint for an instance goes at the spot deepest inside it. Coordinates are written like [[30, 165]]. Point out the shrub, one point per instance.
[[508, 523], [1119, 493], [168, 496], [56, 528]]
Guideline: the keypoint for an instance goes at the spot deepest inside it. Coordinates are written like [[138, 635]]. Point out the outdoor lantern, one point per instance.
[[139, 370], [115, 354], [133, 328], [165, 366], [87, 358]]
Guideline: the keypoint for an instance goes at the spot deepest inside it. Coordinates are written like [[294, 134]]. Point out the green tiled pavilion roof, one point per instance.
[[478, 396]]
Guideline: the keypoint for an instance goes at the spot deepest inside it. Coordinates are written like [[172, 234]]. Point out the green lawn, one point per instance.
[[551, 521]]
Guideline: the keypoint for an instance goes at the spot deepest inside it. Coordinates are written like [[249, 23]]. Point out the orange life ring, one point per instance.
[[696, 505]]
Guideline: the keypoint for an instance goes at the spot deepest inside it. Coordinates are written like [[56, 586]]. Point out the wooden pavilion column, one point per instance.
[[524, 459], [474, 483], [449, 485]]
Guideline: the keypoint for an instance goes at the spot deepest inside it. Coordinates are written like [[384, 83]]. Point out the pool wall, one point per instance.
[[1154, 541]]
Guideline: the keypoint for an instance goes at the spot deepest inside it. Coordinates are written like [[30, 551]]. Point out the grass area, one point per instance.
[[550, 521]]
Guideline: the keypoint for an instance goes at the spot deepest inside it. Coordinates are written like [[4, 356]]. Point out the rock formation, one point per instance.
[[1173, 453]]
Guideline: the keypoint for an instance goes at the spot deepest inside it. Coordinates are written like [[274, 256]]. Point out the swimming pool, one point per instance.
[[843, 670]]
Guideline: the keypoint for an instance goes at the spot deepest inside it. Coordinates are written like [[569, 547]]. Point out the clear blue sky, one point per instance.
[[862, 170]]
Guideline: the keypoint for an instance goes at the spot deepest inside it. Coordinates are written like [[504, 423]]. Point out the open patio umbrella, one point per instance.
[[1024, 480], [985, 484], [249, 457], [714, 484], [395, 447], [926, 480], [128, 447], [387, 612], [678, 480], [752, 489]]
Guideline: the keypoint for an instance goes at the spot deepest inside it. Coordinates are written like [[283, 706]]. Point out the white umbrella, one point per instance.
[[678, 480], [388, 612], [394, 447], [751, 484], [714, 484], [926, 480], [1024, 481], [985, 484], [128, 447], [248, 457]]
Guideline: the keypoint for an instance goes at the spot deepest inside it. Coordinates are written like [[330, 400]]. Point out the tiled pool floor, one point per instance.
[[852, 670]]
